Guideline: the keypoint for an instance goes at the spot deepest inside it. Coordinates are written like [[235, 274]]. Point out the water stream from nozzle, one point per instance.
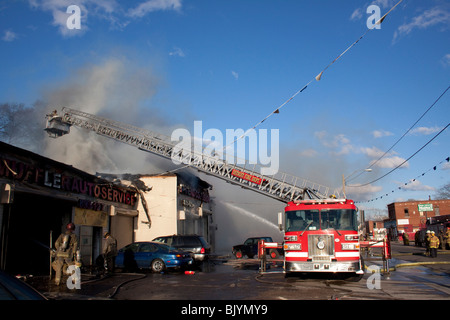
[[250, 215]]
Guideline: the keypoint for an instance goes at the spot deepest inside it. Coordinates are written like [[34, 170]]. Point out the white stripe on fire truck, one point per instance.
[[338, 254], [350, 254], [296, 254]]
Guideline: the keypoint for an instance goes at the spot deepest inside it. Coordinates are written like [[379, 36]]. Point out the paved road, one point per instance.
[[234, 289], [240, 280]]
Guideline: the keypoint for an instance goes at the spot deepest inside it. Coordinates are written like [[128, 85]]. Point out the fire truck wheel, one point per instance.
[[158, 265], [238, 254]]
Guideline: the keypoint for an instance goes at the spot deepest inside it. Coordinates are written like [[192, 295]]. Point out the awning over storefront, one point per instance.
[[25, 171]]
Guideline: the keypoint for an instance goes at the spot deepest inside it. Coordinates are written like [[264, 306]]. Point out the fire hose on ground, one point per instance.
[[140, 276], [409, 264]]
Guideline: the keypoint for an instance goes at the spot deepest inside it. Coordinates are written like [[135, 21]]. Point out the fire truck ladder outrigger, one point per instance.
[[281, 186]]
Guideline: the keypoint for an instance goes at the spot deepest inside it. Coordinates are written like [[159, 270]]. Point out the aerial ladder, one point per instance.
[[281, 186]]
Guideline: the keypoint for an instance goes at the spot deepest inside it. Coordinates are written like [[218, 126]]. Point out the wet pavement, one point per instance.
[[231, 279]]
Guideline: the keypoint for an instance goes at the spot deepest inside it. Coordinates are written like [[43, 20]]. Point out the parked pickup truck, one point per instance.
[[250, 248]]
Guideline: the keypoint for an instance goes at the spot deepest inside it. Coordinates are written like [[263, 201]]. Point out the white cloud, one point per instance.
[[177, 52], [381, 133], [320, 134], [414, 185], [154, 5], [359, 189], [60, 16], [105, 9], [385, 3], [425, 130], [341, 145], [235, 74], [430, 17], [446, 60], [373, 152], [359, 13], [339, 142], [331, 142], [345, 149], [391, 162], [361, 193], [9, 36], [356, 15]]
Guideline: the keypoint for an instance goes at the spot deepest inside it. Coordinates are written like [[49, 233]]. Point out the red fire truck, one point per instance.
[[322, 236]]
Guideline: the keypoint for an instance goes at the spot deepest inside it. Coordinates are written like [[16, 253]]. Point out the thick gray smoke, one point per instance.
[[120, 90], [115, 89]]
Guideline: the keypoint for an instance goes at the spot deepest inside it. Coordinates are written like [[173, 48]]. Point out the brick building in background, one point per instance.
[[409, 216]]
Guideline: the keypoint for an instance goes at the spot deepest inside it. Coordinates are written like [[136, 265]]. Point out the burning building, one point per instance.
[[173, 203], [39, 196]]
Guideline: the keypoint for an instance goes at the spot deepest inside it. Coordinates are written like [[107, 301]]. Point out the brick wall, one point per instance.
[[407, 212]]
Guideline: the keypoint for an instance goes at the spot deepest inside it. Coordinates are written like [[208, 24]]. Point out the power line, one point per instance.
[[411, 127], [410, 181], [407, 131], [317, 78], [365, 184]]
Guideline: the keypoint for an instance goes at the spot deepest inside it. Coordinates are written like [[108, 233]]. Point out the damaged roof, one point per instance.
[[184, 177]]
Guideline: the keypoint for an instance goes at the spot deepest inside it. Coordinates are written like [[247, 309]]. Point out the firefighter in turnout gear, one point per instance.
[[447, 239], [441, 239], [427, 243], [434, 245], [66, 247], [109, 252], [405, 239]]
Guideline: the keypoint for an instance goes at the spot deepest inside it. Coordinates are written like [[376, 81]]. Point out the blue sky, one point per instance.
[[231, 63]]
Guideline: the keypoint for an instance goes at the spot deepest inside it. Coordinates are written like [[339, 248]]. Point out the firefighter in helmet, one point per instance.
[[427, 243], [109, 252], [447, 239], [66, 252], [434, 245]]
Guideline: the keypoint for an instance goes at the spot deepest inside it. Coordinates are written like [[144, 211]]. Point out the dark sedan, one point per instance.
[[151, 255]]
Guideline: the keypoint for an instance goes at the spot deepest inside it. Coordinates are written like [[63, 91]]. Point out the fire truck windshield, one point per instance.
[[338, 219]]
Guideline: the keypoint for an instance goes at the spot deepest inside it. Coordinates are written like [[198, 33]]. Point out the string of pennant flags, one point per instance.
[[318, 77], [434, 168], [406, 132], [410, 157]]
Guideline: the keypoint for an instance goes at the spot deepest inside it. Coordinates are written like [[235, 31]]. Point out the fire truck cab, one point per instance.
[[321, 236]]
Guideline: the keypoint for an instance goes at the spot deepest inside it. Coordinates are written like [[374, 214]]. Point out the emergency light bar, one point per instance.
[[322, 201]]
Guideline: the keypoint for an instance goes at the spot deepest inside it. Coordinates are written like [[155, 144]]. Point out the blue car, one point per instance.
[[151, 255]]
